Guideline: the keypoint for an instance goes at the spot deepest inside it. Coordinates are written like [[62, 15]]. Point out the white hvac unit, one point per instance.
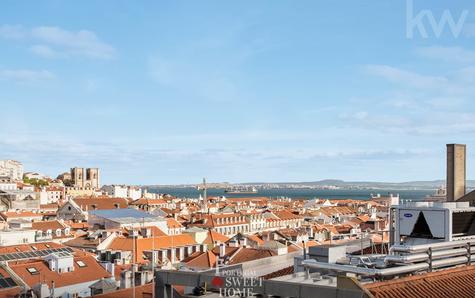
[[427, 222]]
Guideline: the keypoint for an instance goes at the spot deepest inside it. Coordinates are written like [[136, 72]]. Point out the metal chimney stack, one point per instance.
[[456, 171]]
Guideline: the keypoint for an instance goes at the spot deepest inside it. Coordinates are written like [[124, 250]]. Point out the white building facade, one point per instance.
[[12, 169]]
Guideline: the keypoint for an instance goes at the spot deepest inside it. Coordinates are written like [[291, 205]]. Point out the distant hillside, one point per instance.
[[371, 184], [434, 184]]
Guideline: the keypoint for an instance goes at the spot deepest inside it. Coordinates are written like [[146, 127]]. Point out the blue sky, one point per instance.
[[172, 91]]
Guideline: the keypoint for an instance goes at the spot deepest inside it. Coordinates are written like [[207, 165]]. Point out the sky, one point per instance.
[[168, 92]]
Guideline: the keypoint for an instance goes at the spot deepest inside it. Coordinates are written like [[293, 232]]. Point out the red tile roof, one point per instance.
[[20, 214], [173, 224], [92, 271], [457, 282], [52, 225], [144, 291], [286, 215], [149, 202], [214, 237], [236, 255], [143, 244], [29, 247], [256, 239], [278, 273], [100, 203], [78, 225], [52, 206], [249, 254], [201, 260]]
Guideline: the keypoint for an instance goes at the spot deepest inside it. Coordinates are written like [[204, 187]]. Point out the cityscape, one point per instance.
[[263, 149], [71, 236]]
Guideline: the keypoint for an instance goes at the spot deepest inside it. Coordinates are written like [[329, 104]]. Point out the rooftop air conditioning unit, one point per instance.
[[435, 222]]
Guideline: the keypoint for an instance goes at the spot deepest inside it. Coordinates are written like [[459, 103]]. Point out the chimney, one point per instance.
[[311, 232], [222, 250], [456, 174]]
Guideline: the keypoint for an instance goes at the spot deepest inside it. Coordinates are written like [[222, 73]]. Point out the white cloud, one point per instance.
[[449, 54], [25, 75], [360, 115], [408, 78], [12, 31], [44, 51], [82, 42], [57, 153], [57, 42]]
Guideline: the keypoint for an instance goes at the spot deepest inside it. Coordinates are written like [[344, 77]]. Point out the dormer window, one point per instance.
[[116, 206], [94, 206], [58, 232], [32, 270]]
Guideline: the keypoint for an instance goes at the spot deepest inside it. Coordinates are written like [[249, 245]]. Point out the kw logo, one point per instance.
[[447, 20]]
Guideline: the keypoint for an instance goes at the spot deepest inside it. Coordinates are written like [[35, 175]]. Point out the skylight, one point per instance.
[[32, 270], [81, 264]]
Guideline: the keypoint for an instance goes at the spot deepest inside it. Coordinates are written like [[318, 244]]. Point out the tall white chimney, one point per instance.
[[222, 250]]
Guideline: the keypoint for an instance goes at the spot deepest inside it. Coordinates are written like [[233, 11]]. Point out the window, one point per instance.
[[33, 270], [81, 264]]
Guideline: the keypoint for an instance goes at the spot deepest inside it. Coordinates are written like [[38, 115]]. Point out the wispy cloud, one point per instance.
[[407, 78], [56, 154], [25, 75], [210, 67], [45, 51], [12, 32], [51, 41], [422, 104], [448, 54]]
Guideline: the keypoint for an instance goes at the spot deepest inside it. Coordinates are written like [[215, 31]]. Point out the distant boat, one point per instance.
[[240, 190]]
